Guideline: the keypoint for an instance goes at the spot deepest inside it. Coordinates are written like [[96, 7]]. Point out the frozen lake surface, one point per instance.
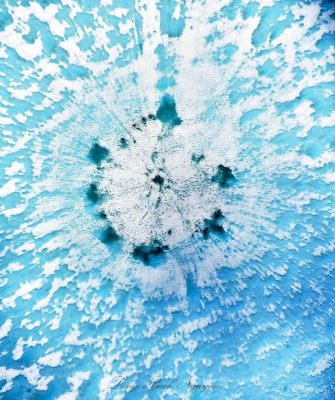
[[167, 199]]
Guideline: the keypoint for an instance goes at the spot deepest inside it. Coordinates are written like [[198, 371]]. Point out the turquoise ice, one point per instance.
[[167, 199]]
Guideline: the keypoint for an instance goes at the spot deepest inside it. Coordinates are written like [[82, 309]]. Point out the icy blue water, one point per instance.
[[167, 199]]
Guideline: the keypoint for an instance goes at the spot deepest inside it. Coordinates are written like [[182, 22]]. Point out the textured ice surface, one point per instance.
[[167, 199]]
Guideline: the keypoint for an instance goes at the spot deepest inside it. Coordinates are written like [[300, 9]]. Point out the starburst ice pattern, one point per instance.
[[167, 199]]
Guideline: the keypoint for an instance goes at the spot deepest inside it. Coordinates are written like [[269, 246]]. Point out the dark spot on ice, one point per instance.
[[93, 193], [102, 214], [167, 113], [154, 156], [196, 158], [137, 127], [144, 121], [169, 232], [148, 252], [98, 153], [109, 236], [213, 225], [217, 215], [123, 143], [159, 180], [224, 177], [151, 117]]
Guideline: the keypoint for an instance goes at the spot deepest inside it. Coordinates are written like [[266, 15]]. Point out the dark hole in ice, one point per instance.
[[102, 214], [217, 215], [109, 236], [159, 180], [93, 193], [169, 232], [196, 158], [151, 117], [205, 232], [144, 120], [98, 153], [213, 225], [146, 252], [224, 177], [136, 126], [123, 143], [167, 113]]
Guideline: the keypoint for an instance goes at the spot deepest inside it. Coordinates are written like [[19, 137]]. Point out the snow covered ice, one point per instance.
[[167, 199]]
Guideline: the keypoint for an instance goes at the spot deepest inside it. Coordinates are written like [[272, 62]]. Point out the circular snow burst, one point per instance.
[[158, 184], [156, 188], [180, 150]]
